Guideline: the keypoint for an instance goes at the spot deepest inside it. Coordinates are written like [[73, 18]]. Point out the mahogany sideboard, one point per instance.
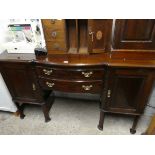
[[112, 58]]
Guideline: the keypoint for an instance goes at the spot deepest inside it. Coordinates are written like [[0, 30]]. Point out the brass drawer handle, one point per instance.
[[87, 87], [47, 72], [50, 84], [87, 74]]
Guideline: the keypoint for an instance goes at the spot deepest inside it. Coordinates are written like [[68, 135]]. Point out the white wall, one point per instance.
[[3, 29], [39, 38]]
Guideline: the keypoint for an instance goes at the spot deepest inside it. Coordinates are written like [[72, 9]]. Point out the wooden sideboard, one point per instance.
[[112, 58]]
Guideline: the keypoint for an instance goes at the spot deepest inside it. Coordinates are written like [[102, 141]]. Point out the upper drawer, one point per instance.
[[80, 74], [53, 23]]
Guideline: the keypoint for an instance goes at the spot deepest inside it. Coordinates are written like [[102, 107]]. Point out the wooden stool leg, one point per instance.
[[101, 121], [133, 129], [47, 106]]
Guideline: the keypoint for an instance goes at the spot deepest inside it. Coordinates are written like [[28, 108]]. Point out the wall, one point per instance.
[[38, 36]]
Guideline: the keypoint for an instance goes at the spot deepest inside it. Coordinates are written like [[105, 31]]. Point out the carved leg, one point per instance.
[[133, 129], [46, 113], [47, 106], [101, 121], [21, 110]]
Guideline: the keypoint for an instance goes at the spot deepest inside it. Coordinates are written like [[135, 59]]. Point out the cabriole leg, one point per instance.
[[135, 122], [47, 106], [21, 110], [101, 121], [46, 112]]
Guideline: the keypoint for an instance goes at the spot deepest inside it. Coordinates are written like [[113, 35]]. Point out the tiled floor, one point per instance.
[[68, 117]]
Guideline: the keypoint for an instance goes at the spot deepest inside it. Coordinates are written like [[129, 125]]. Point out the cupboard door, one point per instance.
[[21, 82], [127, 91], [134, 34], [99, 31]]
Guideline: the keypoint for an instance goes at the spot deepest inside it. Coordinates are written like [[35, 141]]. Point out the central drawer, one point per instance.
[[68, 74], [72, 86]]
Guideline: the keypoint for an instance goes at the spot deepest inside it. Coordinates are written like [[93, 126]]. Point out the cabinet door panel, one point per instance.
[[134, 34], [128, 90], [99, 35], [125, 92], [20, 82]]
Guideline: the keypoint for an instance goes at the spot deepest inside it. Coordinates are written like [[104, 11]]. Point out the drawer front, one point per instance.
[[53, 23], [54, 34], [56, 45], [83, 74], [72, 86]]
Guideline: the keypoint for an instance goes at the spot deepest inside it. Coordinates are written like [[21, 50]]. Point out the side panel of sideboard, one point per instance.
[[126, 91], [21, 81]]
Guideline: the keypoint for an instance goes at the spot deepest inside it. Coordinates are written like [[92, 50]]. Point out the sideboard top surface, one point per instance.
[[102, 59]]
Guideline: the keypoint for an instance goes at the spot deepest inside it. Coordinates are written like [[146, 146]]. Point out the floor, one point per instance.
[[68, 117]]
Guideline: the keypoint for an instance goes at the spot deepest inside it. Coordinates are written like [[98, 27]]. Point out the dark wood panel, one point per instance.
[[21, 82], [99, 35], [72, 35], [130, 60], [137, 34], [127, 90], [83, 35]]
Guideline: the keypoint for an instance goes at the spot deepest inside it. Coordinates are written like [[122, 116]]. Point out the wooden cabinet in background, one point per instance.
[[55, 35], [77, 36], [84, 36], [134, 34]]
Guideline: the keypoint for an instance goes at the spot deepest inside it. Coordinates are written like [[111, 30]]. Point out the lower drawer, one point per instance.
[[56, 45], [72, 86]]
